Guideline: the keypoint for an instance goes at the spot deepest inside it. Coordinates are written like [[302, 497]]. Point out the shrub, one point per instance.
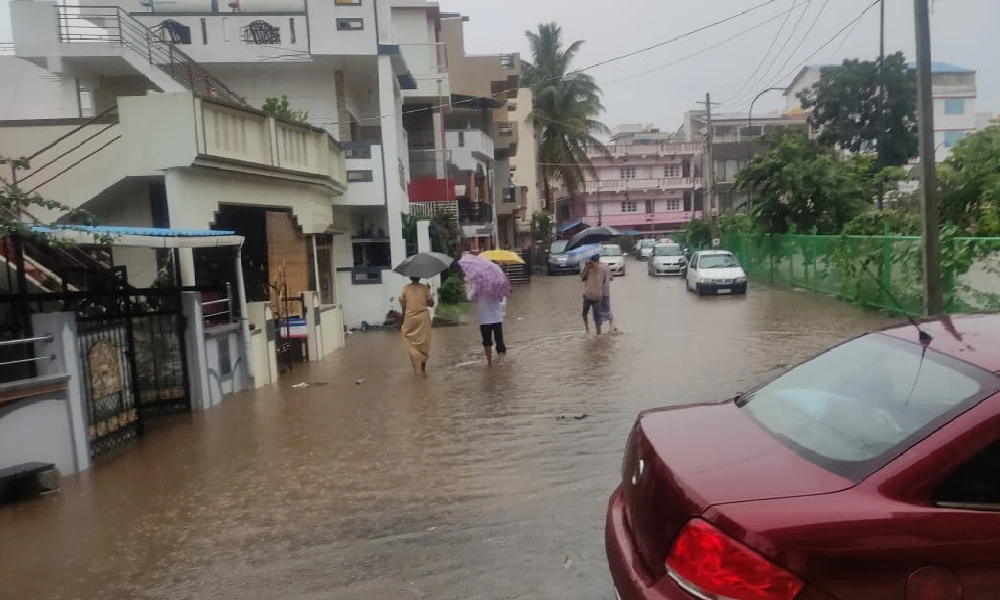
[[451, 291]]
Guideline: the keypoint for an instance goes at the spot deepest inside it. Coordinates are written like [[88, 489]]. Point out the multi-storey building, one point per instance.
[[471, 179], [179, 139], [955, 95], [648, 183], [735, 140]]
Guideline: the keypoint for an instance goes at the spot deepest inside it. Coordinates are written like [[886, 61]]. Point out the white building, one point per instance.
[[955, 96], [179, 139]]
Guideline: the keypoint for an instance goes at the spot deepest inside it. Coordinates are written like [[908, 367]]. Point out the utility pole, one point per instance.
[[710, 171], [933, 297], [881, 102]]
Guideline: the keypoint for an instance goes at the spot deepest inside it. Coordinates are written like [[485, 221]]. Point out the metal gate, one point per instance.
[[133, 358]]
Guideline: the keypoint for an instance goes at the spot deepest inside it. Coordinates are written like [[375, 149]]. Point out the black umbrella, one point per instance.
[[593, 235], [424, 265]]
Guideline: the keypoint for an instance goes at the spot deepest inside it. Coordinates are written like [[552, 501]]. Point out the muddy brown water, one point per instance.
[[471, 483]]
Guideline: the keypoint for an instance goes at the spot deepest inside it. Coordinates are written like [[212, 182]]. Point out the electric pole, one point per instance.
[[881, 102], [933, 297], [710, 171]]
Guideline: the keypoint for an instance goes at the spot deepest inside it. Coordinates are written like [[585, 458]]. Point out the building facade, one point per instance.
[[955, 96], [648, 183], [179, 139]]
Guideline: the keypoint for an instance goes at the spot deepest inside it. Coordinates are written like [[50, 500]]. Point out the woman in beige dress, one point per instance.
[[415, 301]]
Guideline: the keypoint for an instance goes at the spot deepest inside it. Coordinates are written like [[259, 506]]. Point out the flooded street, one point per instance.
[[374, 483]]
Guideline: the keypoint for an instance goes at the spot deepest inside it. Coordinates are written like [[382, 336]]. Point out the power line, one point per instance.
[[601, 63], [770, 47], [836, 51], [820, 49], [744, 99]]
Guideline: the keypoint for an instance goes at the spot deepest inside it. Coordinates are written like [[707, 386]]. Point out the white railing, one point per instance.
[[661, 183], [662, 149], [250, 136], [434, 209]]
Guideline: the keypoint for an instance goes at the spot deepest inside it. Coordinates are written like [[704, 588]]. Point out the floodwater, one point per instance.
[[471, 483]]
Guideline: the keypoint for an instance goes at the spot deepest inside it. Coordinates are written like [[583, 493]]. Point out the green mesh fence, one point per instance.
[[852, 267]]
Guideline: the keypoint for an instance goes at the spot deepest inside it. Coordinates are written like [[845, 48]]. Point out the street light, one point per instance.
[[749, 139]]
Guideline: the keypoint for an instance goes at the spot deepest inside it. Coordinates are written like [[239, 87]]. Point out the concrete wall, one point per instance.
[[525, 162], [325, 38], [195, 195], [211, 379], [50, 426], [32, 92], [222, 41], [310, 87]]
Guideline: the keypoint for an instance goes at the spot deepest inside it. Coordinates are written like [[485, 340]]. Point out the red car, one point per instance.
[[870, 472]]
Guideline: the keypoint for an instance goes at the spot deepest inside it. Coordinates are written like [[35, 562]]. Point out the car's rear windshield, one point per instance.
[[647, 243], [858, 406], [611, 251], [558, 247], [667, 251], [717, 261]]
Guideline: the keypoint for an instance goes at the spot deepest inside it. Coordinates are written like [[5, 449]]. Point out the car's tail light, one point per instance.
[[713, 566]]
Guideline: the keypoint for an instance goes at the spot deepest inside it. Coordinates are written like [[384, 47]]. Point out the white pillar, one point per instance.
[[241, 294], [194, 341]]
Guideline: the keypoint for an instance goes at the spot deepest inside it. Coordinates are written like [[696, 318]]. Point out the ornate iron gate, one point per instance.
[[133, 358]]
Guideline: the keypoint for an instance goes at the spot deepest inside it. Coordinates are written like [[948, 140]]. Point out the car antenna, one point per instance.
[[925, 338]]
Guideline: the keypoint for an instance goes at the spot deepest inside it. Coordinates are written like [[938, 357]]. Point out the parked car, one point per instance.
[[714, 271], [865, 473], [645, 249], [559, 261], [612, 255], [668, 259]]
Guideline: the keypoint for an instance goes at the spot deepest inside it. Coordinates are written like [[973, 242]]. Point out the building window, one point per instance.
[[350, 24], [461, 139], [672, 171], [673, 205], [954, 106], [627, 172], [347, 2], [291, 30], [204, 32], [628, 206], [260, 32], [173, 32], [952, 137], [359, 176]]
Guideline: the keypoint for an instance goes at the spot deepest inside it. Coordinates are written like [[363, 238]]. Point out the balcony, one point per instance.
[[474, 213], [162, 131], [365, 182], [507, 137], [651, 150], [642, 185], [429, 65], [512, 199], [469, 147], [642, 221]]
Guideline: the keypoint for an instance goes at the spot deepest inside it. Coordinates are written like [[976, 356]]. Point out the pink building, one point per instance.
[[649, 183]]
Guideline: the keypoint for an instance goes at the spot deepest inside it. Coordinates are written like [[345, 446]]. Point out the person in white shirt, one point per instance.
[[491, 310]]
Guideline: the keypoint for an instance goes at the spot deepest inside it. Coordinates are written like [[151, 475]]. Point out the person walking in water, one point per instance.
[[415, 300], [594, 276], [606, 315], [491, 311]]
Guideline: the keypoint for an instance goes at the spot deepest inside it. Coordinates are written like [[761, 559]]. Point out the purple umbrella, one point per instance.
[[487, 277]]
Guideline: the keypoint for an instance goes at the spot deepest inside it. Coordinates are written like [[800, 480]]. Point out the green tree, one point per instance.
[[280, 109], [845, 105], [15, 214], [801, 186], [970, 183], [567, 104]]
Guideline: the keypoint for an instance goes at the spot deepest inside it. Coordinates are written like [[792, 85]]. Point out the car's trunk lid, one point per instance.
[[694, 457]]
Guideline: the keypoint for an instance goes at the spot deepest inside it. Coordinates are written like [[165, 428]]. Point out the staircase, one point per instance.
[[519, 274], [156, 47]]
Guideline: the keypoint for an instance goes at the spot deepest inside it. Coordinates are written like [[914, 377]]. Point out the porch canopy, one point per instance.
[[143, 237]]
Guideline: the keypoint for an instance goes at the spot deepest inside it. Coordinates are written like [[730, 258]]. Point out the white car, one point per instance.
[[612, 255], [713, 271], [668, 259]]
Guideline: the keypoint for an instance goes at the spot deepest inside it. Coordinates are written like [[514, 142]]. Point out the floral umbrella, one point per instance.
[[487, 277]]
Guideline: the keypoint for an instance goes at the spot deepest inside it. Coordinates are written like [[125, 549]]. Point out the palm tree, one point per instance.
[[566, 104]]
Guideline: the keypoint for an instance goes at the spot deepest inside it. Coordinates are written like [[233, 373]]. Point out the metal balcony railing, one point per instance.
[[6, 48], [112, 25]]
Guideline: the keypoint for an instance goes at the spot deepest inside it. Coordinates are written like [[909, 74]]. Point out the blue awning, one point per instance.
[[631, 233], [143, 237], [568, 226]]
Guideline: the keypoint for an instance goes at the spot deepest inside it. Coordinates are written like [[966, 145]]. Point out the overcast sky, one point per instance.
[[964, 32]]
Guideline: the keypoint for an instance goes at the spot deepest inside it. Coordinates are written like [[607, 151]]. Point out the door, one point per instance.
[[692, 270]]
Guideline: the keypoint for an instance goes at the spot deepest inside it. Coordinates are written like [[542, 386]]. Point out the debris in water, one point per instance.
[[581, 417], [567, 563], [360, 381], [300, 385]]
